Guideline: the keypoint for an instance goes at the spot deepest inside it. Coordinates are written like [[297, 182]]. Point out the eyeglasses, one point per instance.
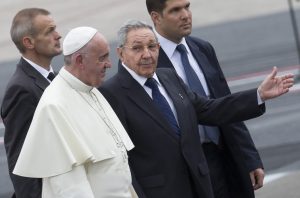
[[152, 47]]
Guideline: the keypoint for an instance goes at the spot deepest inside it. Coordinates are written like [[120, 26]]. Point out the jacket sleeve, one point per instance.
[[240, 134], [17, 111], [232, 108]]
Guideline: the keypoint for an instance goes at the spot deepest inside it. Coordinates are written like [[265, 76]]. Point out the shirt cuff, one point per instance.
[[259, 100]]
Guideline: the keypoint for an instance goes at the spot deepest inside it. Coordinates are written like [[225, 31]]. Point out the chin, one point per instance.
[[58, 52], [149, 75], [186, 33]]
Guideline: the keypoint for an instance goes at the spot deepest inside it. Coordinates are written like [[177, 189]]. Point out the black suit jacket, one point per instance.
[[162, 164], [242, 156], [22, 95]]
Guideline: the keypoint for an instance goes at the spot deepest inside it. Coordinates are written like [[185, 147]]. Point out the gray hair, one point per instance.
[[131, 25], [68, 59], [23, 25]]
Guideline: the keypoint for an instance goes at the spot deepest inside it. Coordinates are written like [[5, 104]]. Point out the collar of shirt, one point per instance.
[[168, 46], [74, 82], [140, 79], [39, 68]]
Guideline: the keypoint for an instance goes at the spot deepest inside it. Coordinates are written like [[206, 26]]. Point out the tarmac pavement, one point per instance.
[[285, 187], [109, 15], [283, 183]]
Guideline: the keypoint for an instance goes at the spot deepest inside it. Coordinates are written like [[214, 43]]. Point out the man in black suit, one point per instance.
[[235, 166], [168, 160], [34, 33]]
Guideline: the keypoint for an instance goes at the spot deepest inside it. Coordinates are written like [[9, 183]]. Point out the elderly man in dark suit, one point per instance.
[[161, 116], [34, 33], [235, 166]]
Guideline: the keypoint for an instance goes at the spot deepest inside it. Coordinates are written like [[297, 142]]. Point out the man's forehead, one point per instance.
[[141, 35]]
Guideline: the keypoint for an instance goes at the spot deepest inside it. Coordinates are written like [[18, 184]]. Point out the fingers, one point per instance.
[[288, 81], [289, 78], [274, 72], [252, 177], [288, 85], [259, 183], [257, 178]]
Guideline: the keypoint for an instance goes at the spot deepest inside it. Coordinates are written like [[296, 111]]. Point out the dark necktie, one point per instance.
[[162, 104], [211, 133], [51, 76]]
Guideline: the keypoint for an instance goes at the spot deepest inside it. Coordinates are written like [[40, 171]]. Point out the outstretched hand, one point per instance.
[[274, 86]]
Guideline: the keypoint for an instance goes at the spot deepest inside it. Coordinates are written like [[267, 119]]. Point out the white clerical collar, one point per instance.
[[39, 68], [74, 82], [140, 79], [168, 46]]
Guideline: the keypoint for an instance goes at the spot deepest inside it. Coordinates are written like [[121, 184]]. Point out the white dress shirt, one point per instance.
[[169, 48], [142, 80], [40, 69]]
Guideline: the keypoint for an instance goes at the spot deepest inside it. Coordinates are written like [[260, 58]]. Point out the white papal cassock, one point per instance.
[[76, 144]]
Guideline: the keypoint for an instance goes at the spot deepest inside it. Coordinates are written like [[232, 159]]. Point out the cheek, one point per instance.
[[45, 44], [94, 76], [132, 63], [172, 22]]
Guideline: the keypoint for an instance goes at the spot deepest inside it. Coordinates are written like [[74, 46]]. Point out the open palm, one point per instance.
[[274, 86]]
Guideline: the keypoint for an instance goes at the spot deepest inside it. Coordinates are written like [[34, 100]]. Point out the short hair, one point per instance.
[[131, 25], [22, 25], [155, 5], [68, 59]]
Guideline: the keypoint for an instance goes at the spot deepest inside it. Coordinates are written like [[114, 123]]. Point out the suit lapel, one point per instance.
[[177, 98], [38, 78], [202, 61], [136, 93], [163, 60]]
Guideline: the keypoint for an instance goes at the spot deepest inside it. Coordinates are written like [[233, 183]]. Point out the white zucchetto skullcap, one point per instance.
[[77, 38]]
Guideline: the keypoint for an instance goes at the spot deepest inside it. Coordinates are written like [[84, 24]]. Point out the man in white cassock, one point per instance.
[[76, 143]]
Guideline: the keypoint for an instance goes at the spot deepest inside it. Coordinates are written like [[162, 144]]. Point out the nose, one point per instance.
[[57, 35], [185, 13], [108, 64], [146, 52]]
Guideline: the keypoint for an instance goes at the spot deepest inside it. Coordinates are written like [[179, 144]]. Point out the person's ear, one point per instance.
[[155, 16], [28, 42], [120, 53], [79, 60]]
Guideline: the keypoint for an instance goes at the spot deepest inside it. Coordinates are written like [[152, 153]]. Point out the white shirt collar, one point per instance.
[[39, 68], [140, 79], [168, 46], [74, 82]]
